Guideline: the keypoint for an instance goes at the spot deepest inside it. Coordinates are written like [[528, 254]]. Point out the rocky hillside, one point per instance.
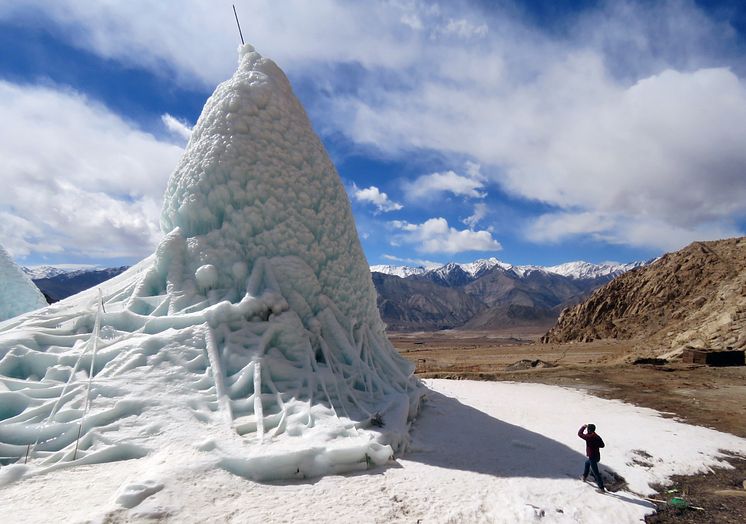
[[694, 297]]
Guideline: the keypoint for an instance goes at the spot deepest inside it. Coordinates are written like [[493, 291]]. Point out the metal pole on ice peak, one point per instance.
[[238, 24]]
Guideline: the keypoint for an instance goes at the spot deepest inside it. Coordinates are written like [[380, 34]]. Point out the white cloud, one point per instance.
[[639, 112], [436, 236], [376, 197], [668, 144], [195, 41], [463, 28], [555, 227], [428, 186], [177, 127], [77, 178], [639, 231], [412, 20], [480, 211]]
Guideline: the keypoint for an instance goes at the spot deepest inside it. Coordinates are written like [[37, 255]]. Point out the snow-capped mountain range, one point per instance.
[[579, 270], [449, 296], [38, 272], [58, 282], [398, 271], [485, 294]]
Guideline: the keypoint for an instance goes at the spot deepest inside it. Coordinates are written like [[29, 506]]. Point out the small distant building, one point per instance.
[[714, 358]]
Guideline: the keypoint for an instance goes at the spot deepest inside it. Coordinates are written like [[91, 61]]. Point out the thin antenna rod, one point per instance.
[[238, 24]]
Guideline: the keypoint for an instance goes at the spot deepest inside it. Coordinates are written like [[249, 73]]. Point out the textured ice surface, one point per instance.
[[17, 293], [251, 337]]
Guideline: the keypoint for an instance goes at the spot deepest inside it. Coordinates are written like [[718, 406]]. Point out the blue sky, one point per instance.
[[537, 132]]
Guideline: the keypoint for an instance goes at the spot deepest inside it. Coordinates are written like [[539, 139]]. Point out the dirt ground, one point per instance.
[[701, 395]]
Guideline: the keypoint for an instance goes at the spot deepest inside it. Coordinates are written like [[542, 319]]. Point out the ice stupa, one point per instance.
[[249, 341], [18, 294]]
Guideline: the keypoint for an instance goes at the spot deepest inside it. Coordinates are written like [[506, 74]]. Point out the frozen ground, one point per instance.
[[481, 452]]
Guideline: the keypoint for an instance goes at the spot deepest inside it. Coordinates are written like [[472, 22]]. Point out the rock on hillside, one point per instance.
[[694, 297]]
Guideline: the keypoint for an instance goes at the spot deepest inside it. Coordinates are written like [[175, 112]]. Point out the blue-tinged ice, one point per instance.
[[251, 336], [18, 294]]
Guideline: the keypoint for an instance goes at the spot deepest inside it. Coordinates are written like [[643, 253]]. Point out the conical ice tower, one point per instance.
[[251, 335]]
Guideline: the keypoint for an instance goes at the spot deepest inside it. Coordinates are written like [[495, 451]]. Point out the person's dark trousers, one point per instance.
[[593, 466]]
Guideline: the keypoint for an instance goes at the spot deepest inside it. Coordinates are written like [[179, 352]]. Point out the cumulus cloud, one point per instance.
[[436, 236], [480, 212], [375, 196], [77, 178], [177, 127], [429, 186]]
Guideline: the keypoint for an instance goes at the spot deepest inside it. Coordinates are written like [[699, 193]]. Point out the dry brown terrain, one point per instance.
[[695, 297], [706, 396]]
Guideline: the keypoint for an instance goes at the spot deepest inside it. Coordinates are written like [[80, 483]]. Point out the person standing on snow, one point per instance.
[[593, 444]]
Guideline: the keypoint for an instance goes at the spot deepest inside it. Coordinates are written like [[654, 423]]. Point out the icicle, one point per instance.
[[258, 409], [213, 355]]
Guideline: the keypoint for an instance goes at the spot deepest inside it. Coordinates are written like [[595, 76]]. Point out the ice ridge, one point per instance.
[[18, 294]]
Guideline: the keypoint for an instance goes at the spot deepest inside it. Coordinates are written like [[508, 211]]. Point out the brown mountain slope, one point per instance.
[[694, 297]]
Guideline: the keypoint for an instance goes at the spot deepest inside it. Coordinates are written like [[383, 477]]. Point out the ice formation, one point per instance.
[[250, 337], [18, 294]]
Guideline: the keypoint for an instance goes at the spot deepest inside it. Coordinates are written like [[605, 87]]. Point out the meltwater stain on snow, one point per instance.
[[250, 338]]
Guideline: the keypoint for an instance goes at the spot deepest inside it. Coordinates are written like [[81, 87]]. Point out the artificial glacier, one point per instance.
[[18, 294], [249, 341]]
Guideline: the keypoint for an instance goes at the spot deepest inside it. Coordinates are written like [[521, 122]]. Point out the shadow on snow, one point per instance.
[[452, 435]]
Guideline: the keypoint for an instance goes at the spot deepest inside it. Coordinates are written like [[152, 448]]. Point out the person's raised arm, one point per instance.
[[581, 430]]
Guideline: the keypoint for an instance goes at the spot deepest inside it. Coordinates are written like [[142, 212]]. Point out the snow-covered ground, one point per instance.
[[480, 452]]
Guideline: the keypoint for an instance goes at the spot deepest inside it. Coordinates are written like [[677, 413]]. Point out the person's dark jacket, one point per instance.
[[593, 444]]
